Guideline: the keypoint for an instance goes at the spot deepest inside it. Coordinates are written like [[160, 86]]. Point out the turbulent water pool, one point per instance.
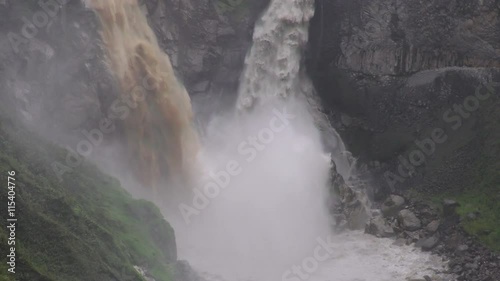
[[355, 257]]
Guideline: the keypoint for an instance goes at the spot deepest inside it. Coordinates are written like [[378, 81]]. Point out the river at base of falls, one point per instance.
[[356, 257], [273, 215]]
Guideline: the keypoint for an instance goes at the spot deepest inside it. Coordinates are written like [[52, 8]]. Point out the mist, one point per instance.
[[271, 213]]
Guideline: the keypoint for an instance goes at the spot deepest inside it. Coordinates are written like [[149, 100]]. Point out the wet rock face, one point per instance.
[[363, 52], [399, 37], [56, 71], [395, 68], [51, 65], [398, 69], [207, 40], [350, 207]]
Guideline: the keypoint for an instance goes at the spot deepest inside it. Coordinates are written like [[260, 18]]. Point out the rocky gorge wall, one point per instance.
[[413, 89], [389, 71], [403, 37]]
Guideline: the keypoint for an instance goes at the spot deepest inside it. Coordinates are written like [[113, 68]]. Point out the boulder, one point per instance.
[[449, 207], [379, 227], [428, 244], [392, 205], [412, 236], [409, 220], [432, 226]]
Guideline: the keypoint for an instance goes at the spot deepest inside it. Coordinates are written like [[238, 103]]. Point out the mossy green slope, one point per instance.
[[483, 197], [83, 228], [480, 191]]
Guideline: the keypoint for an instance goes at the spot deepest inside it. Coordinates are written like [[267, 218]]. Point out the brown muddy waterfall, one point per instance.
[[160, 138]]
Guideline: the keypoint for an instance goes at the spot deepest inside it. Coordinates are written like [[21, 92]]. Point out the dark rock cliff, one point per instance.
[[390, 70], [413, 89], [403, 37]]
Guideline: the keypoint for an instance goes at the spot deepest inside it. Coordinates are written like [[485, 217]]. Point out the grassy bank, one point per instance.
[[483, 195], [479, 198], [84, 228]]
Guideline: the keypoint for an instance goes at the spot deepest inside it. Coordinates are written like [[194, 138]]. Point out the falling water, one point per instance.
[[158, 128], [265, 221], [259, 212], [273, 69]]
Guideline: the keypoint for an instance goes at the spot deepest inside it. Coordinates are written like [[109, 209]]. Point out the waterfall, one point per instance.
[[274, 73], [273, 65], [260, 213], [273, 212], [156, 110], [273, 70], [258, 208]]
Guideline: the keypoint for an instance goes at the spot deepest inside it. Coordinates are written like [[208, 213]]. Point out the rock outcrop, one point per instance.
[[349, 204]]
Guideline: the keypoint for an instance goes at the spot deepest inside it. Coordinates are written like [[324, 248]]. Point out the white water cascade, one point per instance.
[[261, 213]]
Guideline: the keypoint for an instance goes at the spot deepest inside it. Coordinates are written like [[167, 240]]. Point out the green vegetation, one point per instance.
[[84, 228], [481, 200], [484, 196], [481, 195]]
